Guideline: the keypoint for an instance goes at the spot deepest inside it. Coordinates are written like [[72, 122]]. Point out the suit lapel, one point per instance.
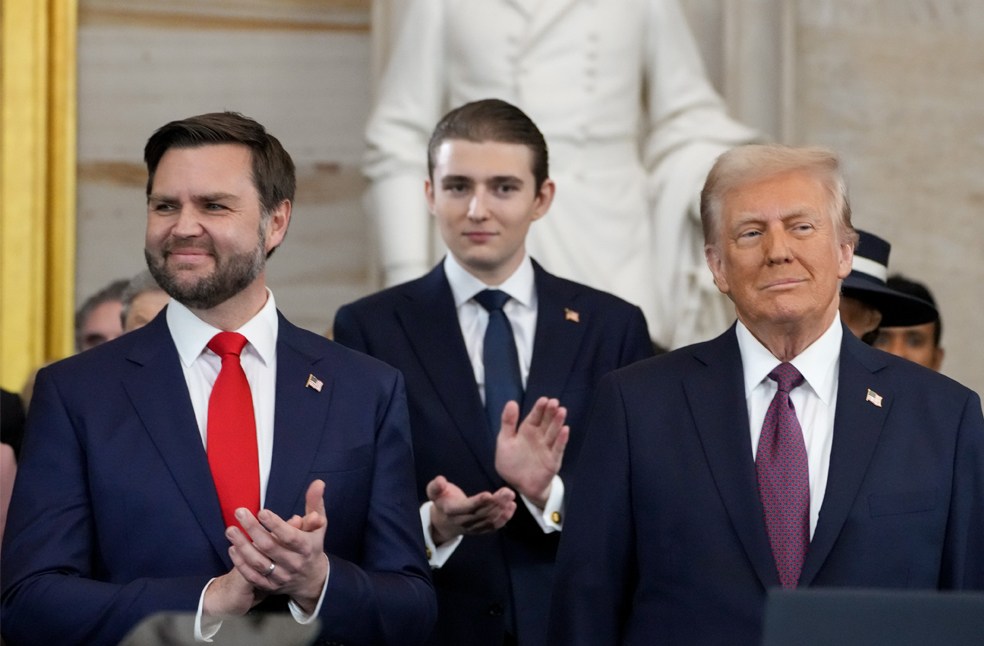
[[559, 332], [716, 395], [857, 426], [299, 418], [430, 323], [159, 394]]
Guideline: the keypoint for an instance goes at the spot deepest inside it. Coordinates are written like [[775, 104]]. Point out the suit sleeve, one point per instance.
[[594, 572], [386, 598], [50, 594], [963, 548]]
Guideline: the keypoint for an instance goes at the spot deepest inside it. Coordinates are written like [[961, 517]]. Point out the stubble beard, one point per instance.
[[231, 275]]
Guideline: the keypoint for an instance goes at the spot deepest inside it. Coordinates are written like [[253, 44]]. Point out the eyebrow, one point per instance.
[[207, 197], [797, 211]]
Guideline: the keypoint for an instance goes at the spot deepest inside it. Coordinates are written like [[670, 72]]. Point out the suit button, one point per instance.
[[496, 610]]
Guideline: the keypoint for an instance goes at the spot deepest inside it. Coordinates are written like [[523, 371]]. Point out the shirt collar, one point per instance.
[[191, 334], [817, 363], [520, 285]]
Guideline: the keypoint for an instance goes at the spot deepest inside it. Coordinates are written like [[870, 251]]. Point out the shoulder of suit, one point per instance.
[[585, 295], [390, 296], [320, 348]]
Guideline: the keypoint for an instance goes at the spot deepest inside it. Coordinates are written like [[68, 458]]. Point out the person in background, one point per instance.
[[867, 301], [142, 300], [492, 496], [783, 454], [98, 320], [633, 125], [218, 460], [918, 342]]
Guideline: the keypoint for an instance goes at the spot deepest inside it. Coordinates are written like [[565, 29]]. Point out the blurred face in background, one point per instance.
[[915, 343], [101, 325]]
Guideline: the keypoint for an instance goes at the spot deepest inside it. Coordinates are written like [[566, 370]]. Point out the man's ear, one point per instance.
[[276, 225], [429, 194], [544, 198], [845, 259], [716, 264]]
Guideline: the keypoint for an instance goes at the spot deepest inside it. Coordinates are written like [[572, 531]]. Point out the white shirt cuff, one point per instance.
[[551, 517], [295, 610], [205, 628], [437, 555]]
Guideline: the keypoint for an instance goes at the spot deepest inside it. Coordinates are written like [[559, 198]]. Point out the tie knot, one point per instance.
[[787, 376], [492, 299], [226, 343]]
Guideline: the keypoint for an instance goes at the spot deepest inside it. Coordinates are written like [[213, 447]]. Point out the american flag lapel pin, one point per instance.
[[572, 315], [874, 398], [314, 382]]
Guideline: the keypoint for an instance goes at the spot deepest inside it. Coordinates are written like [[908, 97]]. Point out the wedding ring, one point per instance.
[[269, 570]]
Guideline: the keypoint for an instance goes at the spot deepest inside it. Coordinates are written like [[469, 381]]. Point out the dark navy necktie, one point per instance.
[[784, 478], [503, 381]]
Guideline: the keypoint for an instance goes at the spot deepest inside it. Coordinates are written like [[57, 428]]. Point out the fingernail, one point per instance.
[[241, 514]]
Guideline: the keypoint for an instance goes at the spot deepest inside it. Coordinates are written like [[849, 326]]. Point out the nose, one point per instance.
[[776, 245], [186, 225], [895, 346], [477, 207]]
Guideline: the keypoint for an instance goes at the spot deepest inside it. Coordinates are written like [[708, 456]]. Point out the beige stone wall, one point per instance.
[[894, 85]]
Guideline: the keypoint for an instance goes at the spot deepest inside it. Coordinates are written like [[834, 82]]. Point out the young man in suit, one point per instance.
[[493, 500], [168, 471], [784, 453]]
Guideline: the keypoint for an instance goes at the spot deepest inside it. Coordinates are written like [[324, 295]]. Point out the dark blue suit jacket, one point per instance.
[[581, 334], [664, 541], [115, 516]]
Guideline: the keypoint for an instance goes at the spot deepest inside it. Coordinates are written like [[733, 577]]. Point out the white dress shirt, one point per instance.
[[815, 400], [521, 310], [201, 368]]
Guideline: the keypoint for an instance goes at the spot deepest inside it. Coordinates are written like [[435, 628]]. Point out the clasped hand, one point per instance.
[[295, 548]]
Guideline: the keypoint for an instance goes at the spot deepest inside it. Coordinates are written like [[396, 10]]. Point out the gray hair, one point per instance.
[[748, 164]]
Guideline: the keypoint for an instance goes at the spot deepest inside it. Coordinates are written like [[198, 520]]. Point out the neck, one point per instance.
[[494, 276], [786, 341], [233, 313]]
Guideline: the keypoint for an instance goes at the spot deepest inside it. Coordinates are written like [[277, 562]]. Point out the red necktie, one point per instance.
[[784, 480], [231, 443]]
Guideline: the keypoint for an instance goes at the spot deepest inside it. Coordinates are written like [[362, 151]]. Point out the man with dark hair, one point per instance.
[[486, 336], [919, 342], [98, 320], [785, 453], [219, 459]]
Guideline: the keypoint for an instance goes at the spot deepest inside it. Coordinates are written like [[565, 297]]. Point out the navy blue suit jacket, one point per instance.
[[664, 541], [114, 514], [581, 334]]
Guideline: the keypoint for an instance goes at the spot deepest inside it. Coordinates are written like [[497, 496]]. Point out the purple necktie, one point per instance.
[[784, 479]]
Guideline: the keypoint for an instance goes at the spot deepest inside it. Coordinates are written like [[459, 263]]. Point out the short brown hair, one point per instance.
[[273, 169], [492, 120]]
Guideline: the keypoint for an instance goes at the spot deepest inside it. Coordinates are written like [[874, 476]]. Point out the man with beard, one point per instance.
[[218, 459]]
